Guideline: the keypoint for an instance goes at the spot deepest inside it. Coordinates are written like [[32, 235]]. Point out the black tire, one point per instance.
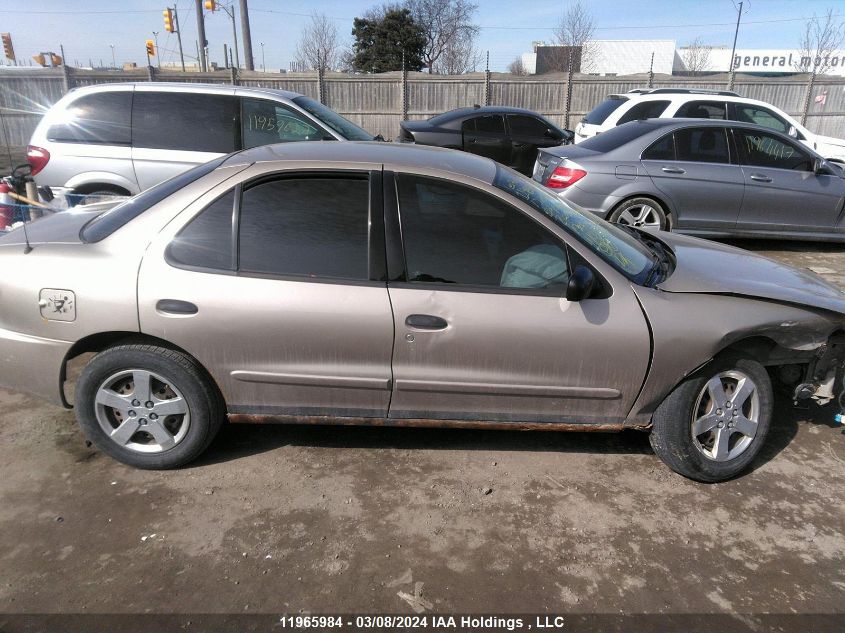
[[672, 435], [632, 205], [204, 403]]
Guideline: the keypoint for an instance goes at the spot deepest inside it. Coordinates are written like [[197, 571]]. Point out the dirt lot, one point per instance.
[[324, 519]]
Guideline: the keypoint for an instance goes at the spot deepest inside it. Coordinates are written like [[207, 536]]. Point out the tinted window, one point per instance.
[[522, 125], [264, 122], [314, 227], [345, 128], [108, 222], [644, 110], [766, 150], [617, 136], [702, 110], [454, 234], [206, 242], [597, 115], [492, 124], [97, 118], [702, 145], [664, 149], [761, 116], [184, 121]]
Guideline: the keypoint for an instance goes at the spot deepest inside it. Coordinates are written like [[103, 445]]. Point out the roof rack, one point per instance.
[[690, 91]]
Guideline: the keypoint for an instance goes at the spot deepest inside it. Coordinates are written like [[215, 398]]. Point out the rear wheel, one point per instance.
[[641, 212], [712, 425], [148, 406]]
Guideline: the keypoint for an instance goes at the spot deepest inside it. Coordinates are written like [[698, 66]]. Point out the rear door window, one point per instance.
[[522, 125], [703, 110], [185, 121], [206, 241], [599, 114], [492, 124], [761, 116], [264, 122], [664, 149], [102, 118], [702, 145], [644, 110]]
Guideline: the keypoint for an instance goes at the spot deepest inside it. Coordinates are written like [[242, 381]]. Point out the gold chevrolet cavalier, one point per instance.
[[374, 283]]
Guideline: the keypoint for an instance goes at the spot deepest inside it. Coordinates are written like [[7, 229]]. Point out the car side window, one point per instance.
[[766, 150], [644, 110], [102, 118], [206, 241], [491, 124], [761, 116], [184, 121], [264, 122], [313, 227], [455, 234], [663, 149], [703, 110], [521, 125], [702, 145]]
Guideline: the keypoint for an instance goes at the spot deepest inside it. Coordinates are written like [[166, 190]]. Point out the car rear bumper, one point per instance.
[[32, 364]]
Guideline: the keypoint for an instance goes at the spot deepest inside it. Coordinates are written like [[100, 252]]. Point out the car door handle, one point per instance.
[[176, 306], [426, 322], [673, 170], [760, 178]]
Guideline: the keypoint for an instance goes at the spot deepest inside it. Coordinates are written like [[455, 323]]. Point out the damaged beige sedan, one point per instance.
[[370, 283]]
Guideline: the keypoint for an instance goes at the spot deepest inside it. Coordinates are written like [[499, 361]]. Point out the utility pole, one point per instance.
[[113, 64], [263, 65], [201, 32], [732, 70], [230, 11], [247, 37], [179, 36]]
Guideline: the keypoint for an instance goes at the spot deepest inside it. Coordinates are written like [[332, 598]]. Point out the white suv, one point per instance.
[[700, 104]]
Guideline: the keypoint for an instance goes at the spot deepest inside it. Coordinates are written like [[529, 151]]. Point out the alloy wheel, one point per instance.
[[725, 416]]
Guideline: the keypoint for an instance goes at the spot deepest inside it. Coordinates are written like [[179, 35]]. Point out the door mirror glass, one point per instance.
[[821, 168], [580, 284], [792, 131]]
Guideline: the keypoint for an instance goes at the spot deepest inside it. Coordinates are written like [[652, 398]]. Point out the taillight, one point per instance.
[[563, 177], [37, 157]]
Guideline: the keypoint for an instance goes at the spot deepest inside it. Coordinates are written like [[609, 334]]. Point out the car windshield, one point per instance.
[[617, 247], [346, 129], [597, 115], [108, 222]]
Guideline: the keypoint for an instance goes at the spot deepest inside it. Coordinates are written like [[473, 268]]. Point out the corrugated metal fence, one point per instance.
[[379, 102]]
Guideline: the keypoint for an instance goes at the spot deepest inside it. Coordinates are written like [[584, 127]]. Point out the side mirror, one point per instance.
[[821, 168], [549, 133], [792, 131], [581, 283]]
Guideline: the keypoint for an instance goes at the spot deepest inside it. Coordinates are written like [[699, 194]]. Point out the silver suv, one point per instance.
[[122, 138]]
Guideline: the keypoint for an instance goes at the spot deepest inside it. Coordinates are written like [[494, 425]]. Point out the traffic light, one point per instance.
[[40, 59], [211, 5], [168, 20], [151, 48], [7, 46], [56, 60]]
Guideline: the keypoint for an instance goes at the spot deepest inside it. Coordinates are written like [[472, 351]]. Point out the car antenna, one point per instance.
[[28, 248]]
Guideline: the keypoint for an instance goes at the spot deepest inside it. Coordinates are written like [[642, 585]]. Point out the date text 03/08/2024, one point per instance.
[[474, 622]]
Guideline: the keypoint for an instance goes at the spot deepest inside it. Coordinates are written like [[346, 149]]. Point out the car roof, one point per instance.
[[175, 86], [458, 113], [702, 95], [373, 152]]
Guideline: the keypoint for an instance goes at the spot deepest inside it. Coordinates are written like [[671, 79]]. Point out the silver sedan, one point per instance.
[[363, 283]]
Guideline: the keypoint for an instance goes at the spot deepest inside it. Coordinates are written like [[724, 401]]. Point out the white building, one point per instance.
[[766, 61]]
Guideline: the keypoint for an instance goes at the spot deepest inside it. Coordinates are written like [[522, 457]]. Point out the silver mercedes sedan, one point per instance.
[[363, 283]]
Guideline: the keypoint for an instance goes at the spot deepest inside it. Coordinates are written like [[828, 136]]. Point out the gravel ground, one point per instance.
[[329, 519]]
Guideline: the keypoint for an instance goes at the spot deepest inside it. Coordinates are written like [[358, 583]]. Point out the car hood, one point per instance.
[[829, 140], [709, 267]]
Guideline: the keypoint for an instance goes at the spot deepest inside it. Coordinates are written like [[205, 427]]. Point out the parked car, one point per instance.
[[713, 178], [510, 136], [701, 104], [496, 305], [122, 138]]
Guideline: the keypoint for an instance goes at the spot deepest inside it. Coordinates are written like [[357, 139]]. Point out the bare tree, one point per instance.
[[516, 67], [577, 28], [450, 34], [696, 56], [319, 47], [821, 38]]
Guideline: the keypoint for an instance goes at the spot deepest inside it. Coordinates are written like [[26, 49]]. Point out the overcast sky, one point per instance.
[[87, 29]]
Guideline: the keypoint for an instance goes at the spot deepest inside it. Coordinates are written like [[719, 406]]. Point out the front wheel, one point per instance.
[[712, 425], [148, 406], [641, 212]]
